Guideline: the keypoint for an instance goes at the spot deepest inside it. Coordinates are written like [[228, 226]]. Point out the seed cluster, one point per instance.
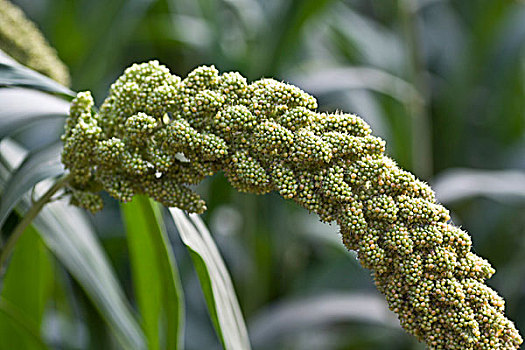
[[156, 134], [22, 40]]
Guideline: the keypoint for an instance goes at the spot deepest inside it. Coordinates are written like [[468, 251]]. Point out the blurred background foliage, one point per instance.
[[443, 81]]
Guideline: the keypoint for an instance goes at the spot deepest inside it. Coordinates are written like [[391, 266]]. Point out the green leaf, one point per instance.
[[68, 234], [300, 315], [21, 107], [37, 166], [22, 323], [289, 27], [13, 74], [460, 184], [113, 31], [331, 80], [363, 40], [155, 274], [215, 281], [27, 286]]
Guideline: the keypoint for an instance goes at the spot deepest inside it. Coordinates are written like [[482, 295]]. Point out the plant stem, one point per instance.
[[28, 218]]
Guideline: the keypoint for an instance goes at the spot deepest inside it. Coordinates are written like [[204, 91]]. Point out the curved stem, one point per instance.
[[28, 218]]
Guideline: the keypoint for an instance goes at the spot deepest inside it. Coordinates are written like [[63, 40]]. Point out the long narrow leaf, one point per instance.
[[110, 37], [289, 29], [21, 107], [373, 43], [70, 237], [301, 315], [36, 167], [156, 279], [13, 74], [460, 184], [68, 234], [26, 285], [338, 79], [215, 281], [22, 323]]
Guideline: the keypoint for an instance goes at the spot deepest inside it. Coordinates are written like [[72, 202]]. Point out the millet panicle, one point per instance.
[[21, 39], [156, 134]]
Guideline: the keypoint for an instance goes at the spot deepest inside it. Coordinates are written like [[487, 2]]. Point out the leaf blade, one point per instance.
[[21, 107], [217, 286], [298, 315], [332, 80], [68, 234], [27, 286], [37, 166], [23, 323], [157, 283], [458, 184], [13, 74], [71, 238]]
